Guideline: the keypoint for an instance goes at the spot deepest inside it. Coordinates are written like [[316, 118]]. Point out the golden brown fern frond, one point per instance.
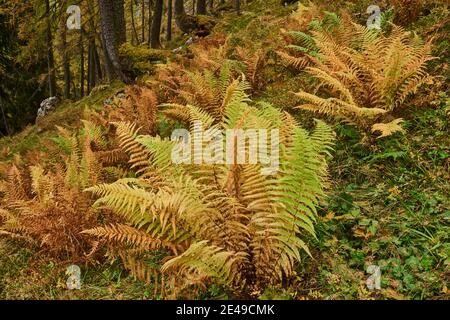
[[212, 261], [208, 93], [123, 234], [211, 52], [111, 157], [177, 112], [52, 218], [168, 80], [408, 11], [46, 205], [388, 129], [138, 155], [230, 224], [140, 107], [289, 61], [254, 63], [17, 185], [367, 79], [304, 14]]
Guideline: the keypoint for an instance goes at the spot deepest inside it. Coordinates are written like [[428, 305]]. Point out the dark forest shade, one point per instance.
[[50, 57], [201, 6], [169, 20], [114, 33], [156, 24]]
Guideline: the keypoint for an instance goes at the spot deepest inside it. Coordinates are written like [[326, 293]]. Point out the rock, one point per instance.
[[46, 107], [108, 102], [98, 89], [287, 2], [121, 96], [190, 41]]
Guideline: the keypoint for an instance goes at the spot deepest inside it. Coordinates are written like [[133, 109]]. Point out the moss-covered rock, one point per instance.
[[141, 58]]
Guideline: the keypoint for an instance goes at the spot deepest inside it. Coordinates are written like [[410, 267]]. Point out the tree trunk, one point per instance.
[[119, 21], [5, 122], [67, 76], [201, 7], [143, 20], [184, 22], [135, 38], [150, 21], [109, 69], [169, 20], [81, 45], [237, 6], [91, 66], [62, 47], [113, 33], [156, 24], [97, 63], [179, 8], [50, 58], [94, 66]]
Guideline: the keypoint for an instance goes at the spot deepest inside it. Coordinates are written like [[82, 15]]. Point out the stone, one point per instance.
[[47, 106]]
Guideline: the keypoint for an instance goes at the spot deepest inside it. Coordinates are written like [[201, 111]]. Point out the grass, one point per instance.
[[22, 276]]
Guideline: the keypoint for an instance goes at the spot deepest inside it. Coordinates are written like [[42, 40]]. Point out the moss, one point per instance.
[[142, 53], [68, 114], [235, 23], [142, 59], [143, 68], [23, 275]]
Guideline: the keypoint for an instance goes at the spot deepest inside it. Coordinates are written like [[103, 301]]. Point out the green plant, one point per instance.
[[365, 76], [228, 224], [47, 207]]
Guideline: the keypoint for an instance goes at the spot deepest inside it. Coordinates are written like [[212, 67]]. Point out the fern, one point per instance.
[[364, 75], [46, 206], [254, 62], [226, 223]]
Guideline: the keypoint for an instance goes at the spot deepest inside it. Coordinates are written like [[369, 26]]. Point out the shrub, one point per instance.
[[364, 76], [223, 223]]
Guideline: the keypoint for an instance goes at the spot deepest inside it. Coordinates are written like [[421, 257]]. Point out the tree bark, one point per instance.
[[237, 6], [113, 34], [135, 38], [91, 67], [150, 21], [201, 7], [81, 45], [97, 62], [143, 20], [50, 57], [67, 75], [156, 24], [179, 7], [119, 21], [183, 21], [169, 20], [5, 122], [62, 47], [109, 69]]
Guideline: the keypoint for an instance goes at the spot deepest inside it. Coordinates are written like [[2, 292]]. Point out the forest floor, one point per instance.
[[388, 203]]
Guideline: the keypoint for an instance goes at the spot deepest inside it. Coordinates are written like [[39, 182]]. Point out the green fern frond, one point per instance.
[[209, 260]]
